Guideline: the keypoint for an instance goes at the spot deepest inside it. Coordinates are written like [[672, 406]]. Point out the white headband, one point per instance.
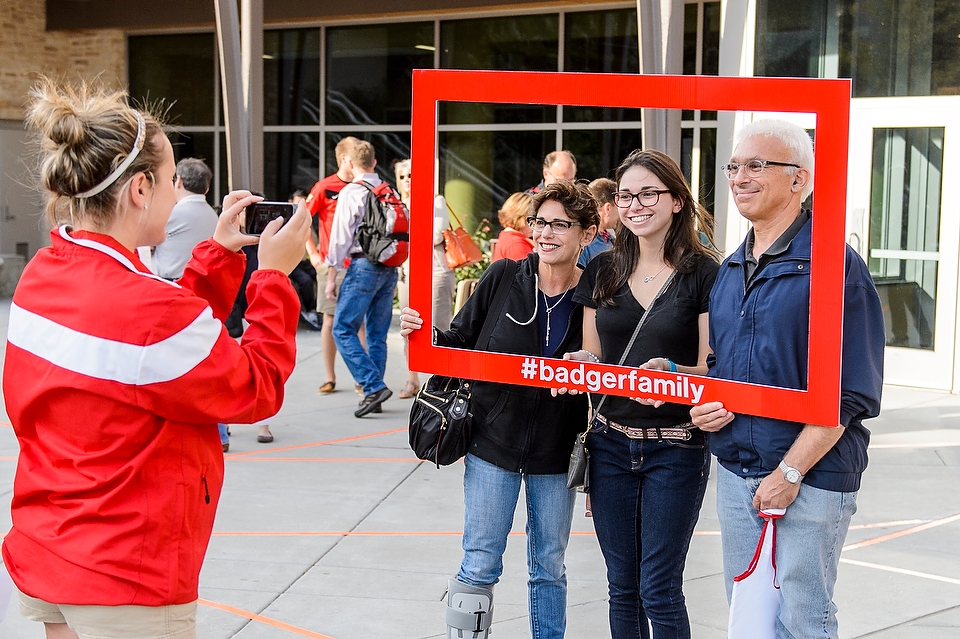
[[134, 152]]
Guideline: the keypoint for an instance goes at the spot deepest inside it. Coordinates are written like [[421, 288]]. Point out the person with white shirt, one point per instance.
[[366, 295], [192, 219]]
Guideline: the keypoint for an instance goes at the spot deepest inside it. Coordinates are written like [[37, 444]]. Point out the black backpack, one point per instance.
[[383, 234]]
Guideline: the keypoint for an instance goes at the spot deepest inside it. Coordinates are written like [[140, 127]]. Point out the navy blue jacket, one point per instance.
[[760, 335]]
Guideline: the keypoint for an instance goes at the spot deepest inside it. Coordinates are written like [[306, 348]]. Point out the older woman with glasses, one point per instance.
[[522, 434], [649, 466]]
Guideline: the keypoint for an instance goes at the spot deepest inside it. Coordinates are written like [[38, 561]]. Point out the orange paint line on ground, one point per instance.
[[8, 458], [6, 424], [901, 571], [903, 533], [365, 460], [326, 443], [264, 620]]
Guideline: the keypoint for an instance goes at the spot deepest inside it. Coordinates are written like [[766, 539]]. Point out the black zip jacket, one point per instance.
[[518, 428]]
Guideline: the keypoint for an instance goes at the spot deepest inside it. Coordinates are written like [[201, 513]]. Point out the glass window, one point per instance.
[[179, 70], [388, 147], [291, 161], [291, 77], [887, 47], [601, 42], [514, 43], [790, 38], [710, 55], [196, 145], [480, 169], [901, 48], [370, 70], [600, 152], [904, 230]]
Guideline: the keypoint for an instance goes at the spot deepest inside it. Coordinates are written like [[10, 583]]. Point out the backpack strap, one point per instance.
[[503, 289]]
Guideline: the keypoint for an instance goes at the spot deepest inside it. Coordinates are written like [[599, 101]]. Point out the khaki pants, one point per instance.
[[116, 622]]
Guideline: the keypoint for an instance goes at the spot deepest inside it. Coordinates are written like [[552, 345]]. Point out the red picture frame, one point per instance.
[[828, 100]]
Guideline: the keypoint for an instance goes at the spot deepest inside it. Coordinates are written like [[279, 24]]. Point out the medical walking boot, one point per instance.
[[469, 610]]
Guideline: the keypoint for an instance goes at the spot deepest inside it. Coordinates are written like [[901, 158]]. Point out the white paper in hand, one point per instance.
[[755, 603]]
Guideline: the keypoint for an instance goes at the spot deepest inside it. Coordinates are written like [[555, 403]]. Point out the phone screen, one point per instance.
[[258, 215]]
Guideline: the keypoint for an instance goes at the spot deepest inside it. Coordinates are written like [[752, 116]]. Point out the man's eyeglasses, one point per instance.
[[752, 168], [650, 197], [175, 176], [559, 227]]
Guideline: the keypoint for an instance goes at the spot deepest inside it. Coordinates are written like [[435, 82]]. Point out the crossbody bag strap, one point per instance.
[[636, 331], [503, 288]]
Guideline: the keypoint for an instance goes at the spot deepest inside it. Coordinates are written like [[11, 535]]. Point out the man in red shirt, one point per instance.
[[322, 202]]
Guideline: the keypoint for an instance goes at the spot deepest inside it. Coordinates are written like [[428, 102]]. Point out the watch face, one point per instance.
[[793, 476]]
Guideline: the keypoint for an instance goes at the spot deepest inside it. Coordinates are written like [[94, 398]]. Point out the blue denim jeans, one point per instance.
[[490, 496], [366, 295], [646, 497], [809, 540], [224, 436]]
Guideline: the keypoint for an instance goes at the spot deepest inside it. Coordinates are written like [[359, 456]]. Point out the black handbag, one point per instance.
[[578, 471], [441, 424]]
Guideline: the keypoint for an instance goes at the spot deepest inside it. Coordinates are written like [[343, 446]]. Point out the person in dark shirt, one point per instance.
[[522, 434], [645, 512]]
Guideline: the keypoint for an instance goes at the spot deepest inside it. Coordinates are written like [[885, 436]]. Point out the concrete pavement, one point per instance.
[[336, 531]]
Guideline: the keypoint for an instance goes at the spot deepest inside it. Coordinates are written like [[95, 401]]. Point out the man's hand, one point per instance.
[[331, 289], [775, 492], [710, 417]]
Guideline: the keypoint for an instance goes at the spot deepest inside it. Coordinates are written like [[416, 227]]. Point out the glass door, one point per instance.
[[905, 221]]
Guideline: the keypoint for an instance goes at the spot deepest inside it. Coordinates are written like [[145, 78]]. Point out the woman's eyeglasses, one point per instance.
[[650, 197], [559, 227]]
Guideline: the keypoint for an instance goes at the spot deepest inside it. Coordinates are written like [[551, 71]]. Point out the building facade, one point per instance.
[[330, 71]]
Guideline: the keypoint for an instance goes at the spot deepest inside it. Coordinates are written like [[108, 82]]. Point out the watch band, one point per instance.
[[791, 474]]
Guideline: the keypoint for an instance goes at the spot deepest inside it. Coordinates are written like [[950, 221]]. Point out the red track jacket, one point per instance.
[[114, 382]]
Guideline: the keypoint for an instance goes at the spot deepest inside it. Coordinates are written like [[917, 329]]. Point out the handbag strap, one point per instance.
[[636, 331], [459, 223], [503, 288]]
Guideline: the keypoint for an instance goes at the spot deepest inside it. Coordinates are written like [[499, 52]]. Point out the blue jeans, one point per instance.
[[365, 295], [224, 437], [646, 497], [490, 496], [809, 539]]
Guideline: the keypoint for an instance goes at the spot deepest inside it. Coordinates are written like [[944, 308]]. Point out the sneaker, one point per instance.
[[372, 401], [378, 409]]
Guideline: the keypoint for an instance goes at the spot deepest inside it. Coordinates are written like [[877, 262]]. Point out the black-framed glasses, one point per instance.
[[648, 197], [559, 227], [175, 176], [753, 168]]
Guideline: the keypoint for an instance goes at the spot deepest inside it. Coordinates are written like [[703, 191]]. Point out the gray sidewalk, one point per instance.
[[335, 529]]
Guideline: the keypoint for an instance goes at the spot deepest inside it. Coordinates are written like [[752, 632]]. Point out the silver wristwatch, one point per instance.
[[791, 474]]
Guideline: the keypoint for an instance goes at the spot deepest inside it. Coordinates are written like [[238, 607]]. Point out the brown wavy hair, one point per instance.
[[574, 197], [682, 248], [86, 131]]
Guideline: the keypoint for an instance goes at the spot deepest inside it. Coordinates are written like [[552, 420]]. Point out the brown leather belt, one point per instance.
[[680, 431]]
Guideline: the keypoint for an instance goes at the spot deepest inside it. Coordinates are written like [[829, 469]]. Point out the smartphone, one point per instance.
[[258, 215]]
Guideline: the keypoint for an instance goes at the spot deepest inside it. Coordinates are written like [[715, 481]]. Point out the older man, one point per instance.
[[557, 166], [191, 221], [759, 316]]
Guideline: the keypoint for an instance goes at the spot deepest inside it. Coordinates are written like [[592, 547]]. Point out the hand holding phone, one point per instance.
[[258, 215]]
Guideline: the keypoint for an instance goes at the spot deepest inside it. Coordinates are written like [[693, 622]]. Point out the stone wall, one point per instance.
[[27, 50]]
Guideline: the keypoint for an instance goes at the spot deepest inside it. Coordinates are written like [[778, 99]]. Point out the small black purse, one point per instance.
[[441, 424]]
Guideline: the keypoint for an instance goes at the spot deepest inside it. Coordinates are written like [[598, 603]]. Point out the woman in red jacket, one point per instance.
[[514, 240], [115, 379]]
